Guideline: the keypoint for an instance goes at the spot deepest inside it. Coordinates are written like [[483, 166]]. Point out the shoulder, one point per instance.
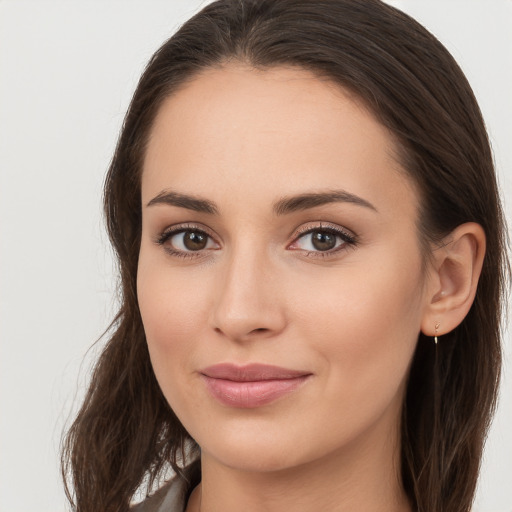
[[170, 497], [173, 495]]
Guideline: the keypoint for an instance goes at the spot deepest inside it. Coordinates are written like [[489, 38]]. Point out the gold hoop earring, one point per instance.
[[436, 327]]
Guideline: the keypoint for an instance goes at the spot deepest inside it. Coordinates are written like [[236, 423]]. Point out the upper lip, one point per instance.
[[251, 372]]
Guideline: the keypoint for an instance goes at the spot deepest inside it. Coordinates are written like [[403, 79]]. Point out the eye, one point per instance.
[[185, 241], [323, 239], [191, 241]]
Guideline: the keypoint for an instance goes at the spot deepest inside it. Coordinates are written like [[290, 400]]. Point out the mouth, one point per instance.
[[252, 385]]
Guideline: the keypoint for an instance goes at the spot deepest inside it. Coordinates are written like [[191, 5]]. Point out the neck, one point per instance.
[[364, 476]]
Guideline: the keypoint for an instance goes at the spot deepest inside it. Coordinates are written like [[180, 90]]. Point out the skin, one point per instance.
[[261, 292]]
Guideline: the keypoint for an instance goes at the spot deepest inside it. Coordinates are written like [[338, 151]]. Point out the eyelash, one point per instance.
[[349, 240], [182, 228]]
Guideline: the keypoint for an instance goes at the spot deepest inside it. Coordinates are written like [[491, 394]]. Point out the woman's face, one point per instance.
[[278, 230]]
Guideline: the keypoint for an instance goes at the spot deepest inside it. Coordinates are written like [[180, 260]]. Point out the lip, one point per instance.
[[252, 385]]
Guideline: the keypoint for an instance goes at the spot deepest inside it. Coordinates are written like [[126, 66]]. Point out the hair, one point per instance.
[[126, 433]]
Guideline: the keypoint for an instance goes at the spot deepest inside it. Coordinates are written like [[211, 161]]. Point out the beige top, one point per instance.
[[173, 495], [169, 498]]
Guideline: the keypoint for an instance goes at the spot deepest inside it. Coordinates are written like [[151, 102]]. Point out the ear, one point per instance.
[[453, 279]]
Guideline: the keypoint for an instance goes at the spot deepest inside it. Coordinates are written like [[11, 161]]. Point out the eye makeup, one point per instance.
[[315, 240], [342, 238], [194, 232]]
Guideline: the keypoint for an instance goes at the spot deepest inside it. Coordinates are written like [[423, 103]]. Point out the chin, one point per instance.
[[263, 446], [253, 458]]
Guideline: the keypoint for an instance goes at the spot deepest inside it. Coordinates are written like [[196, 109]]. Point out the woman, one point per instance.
[[311, 246]]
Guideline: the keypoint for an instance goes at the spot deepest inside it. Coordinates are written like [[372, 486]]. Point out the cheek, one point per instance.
[[166, 313], [366, 327], [173, 314]]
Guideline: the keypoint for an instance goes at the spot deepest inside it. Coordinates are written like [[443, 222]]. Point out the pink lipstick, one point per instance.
[[250, 386]]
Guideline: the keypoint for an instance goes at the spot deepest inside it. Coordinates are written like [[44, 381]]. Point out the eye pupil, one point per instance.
[[323, 240], [194, 241]]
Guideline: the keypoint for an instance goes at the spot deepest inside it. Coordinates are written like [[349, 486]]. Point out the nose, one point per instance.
[[247, 302]]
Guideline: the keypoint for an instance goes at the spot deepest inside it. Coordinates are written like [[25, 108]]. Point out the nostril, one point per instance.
[[260, 329], [218, 330]]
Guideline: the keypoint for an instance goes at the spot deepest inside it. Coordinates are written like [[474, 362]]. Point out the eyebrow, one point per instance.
[[185, 201], [283, 206], [310, 200]]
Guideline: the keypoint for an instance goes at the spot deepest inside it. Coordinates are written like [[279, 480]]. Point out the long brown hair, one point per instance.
[[125, 432]]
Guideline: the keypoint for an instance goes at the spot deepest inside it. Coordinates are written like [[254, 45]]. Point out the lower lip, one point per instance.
[[251, 394]]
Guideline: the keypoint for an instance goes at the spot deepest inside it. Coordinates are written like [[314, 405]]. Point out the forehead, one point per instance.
[[274, 131]]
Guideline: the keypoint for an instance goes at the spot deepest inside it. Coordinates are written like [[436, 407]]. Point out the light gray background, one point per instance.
[[67, 71]]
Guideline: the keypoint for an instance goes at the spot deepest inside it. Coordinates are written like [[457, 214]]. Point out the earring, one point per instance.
[[436, 327]]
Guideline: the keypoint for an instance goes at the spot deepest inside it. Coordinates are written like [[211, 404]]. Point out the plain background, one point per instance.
[[67, 72]]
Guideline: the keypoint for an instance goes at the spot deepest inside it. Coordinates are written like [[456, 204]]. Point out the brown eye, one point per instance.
[[194, 240], [323, 240], [183, 241]]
